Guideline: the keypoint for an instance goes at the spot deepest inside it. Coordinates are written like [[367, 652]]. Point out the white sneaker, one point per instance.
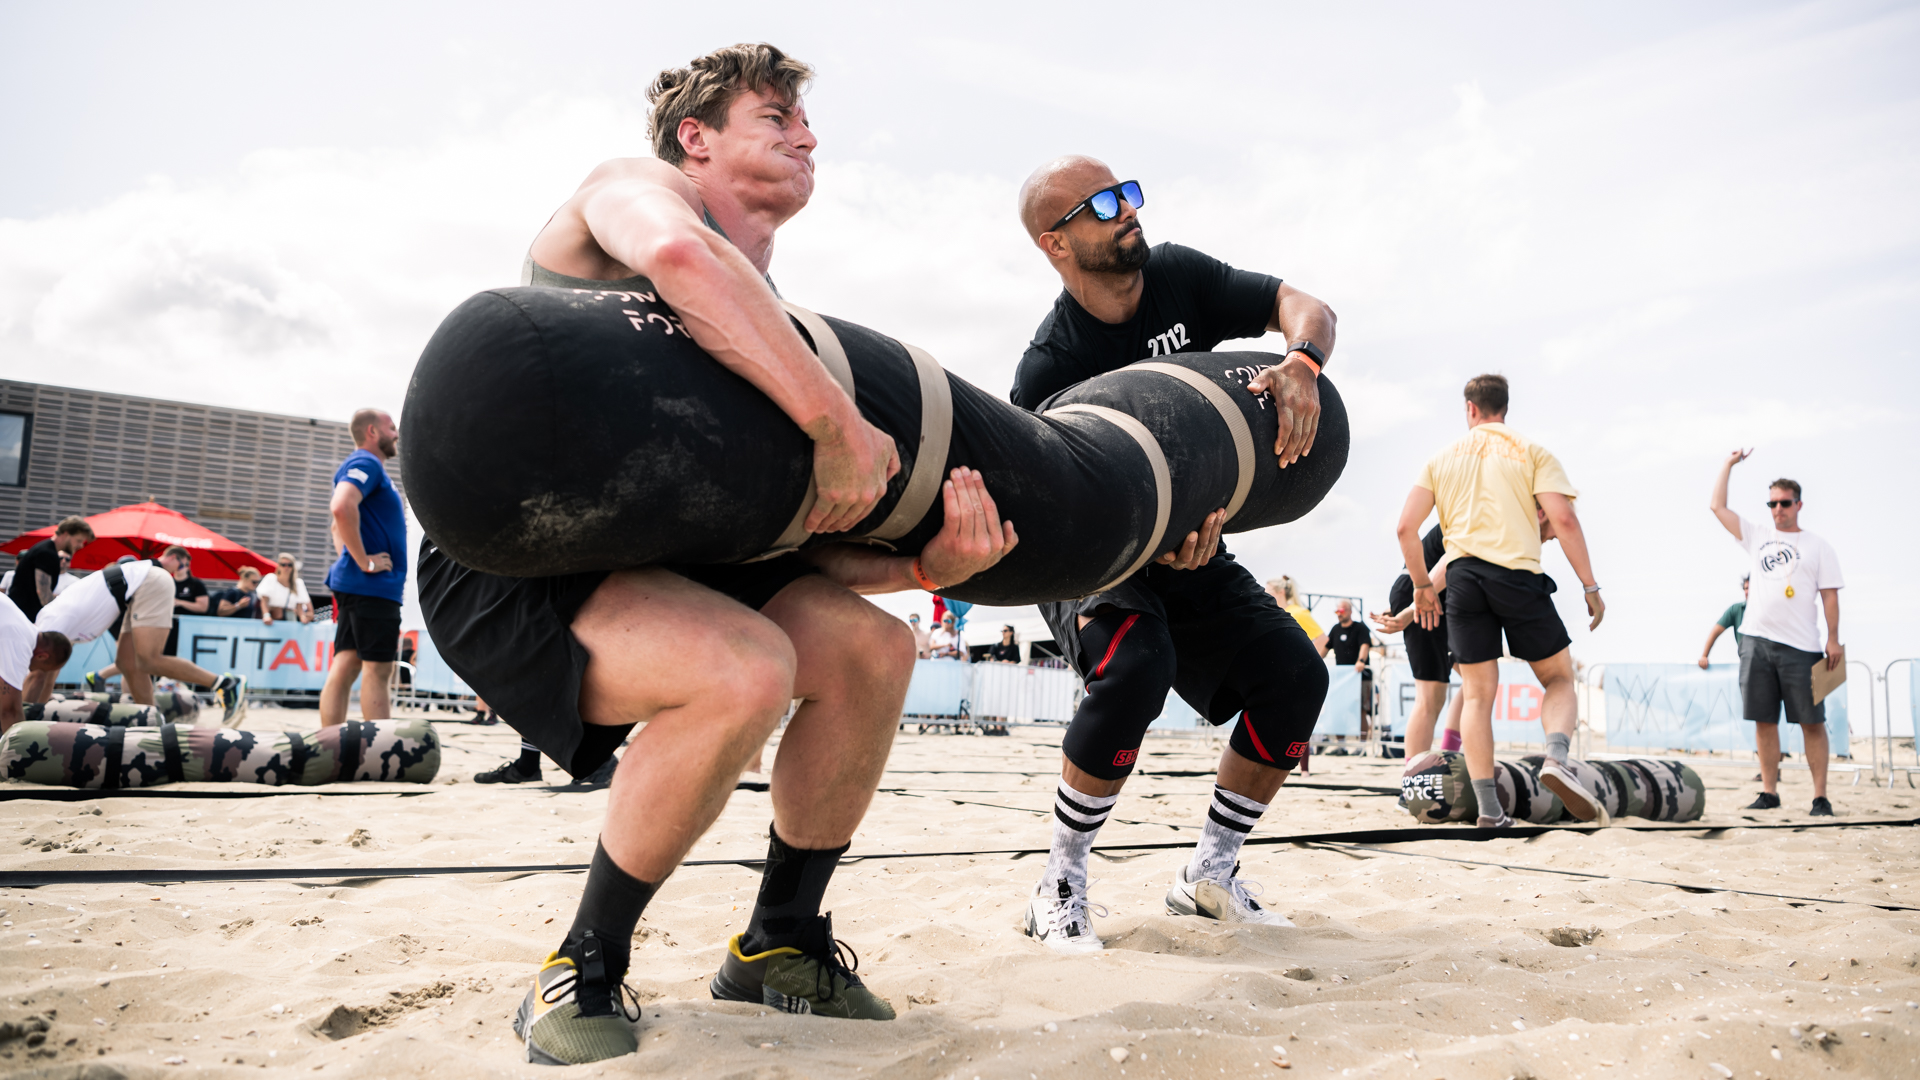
[[1232, 902], [1062, 921], [1577, 799]]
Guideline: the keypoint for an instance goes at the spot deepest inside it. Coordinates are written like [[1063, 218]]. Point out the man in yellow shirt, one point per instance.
[[1493, 489]]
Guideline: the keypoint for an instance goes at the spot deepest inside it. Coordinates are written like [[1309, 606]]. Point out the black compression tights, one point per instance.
[[1129, 669], [1275, 686]]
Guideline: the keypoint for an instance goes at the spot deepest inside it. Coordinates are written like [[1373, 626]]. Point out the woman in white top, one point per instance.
[[283, 591]]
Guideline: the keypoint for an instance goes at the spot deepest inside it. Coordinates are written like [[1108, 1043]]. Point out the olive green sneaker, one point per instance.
[[552, 1024], [811, 978]]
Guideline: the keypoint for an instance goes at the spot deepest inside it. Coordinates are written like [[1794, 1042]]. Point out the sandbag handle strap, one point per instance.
[[930, 459], [1162, 479], [116, 749], [833, 357], [170, 753], [1230, 414], [347, 752]]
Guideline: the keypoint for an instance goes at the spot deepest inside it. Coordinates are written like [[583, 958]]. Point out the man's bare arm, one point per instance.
[[12, 709], [1566, 527], [1426, 603], [1294, 385], [1830, 600], [1719, 504], [345, 507], [971, 539], [1713, 635], [642, 215]]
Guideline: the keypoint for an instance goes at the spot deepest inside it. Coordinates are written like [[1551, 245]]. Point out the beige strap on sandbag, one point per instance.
[[1162, 478], [1230, 414], [930, 460], [833, 357]]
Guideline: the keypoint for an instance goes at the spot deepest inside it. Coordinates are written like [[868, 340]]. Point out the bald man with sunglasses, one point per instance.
[[1196, 622]]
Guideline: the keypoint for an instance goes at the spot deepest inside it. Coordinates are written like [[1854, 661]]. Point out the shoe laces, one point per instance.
[[1072, 909], [567, 983], [1245, 889]]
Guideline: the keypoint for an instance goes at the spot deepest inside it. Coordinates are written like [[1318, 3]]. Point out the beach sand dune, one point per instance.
[[1415, 960]]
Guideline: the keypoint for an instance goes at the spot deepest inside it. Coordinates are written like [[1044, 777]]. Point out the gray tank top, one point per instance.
[[532, 273]]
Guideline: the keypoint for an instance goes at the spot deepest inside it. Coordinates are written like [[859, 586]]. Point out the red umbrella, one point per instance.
[[145, 530]]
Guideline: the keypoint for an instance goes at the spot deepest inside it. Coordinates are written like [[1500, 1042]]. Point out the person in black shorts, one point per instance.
[[709, 658], [1196, 622], [1428, 656]]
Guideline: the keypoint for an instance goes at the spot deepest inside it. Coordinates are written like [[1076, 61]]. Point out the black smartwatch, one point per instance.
[[1313, 352]]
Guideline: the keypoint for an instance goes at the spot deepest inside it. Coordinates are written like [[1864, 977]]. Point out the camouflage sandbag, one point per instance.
[[173, 705], [98, 713], [1435, 788], [108, 758]]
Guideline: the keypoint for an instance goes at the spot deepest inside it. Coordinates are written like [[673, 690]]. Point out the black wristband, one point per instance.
[[1313, 352]]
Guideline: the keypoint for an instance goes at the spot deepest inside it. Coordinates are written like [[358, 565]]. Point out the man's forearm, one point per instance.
[[346, 523], [723, 302], [43, 585], [1416, 559], [1302, 317], [864, 570], [1830, 600], [1713, 635], [1573, 542]]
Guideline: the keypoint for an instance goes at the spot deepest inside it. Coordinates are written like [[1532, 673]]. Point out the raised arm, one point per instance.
[[1719, 505], [642, 214], [1294, 385]]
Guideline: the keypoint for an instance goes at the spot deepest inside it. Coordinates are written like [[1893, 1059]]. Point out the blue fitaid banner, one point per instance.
[[1516, 703], [1681, 707], [288, 655]]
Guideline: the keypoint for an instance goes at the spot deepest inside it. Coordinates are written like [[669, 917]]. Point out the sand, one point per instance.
[[1404, 964]]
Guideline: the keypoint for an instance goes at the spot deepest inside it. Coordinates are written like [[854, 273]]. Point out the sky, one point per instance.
[[1676, 228]]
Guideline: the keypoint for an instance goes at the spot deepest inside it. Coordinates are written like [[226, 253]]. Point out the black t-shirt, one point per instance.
[[1190, 302], [248, 602], [190, 590], [1344, 642], [1008, 653], [25, 590], [1433, 548]]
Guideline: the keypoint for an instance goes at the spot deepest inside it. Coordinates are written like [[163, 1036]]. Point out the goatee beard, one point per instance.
[[1122, 255]]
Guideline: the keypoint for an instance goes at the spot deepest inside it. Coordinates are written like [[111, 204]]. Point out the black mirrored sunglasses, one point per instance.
[[1778, 504], [1106, 202]]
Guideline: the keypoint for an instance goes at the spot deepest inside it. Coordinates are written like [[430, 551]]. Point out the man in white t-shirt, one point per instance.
[[1795, 576], [90, 609], [24, 651]]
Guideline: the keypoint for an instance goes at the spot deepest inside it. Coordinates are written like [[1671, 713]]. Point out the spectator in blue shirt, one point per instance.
[[371, 529]]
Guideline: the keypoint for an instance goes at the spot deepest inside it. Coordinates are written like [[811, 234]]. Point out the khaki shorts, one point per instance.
[[151, 605]]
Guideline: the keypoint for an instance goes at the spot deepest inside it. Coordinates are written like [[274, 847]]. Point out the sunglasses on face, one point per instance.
[[1105, 203], [1780, 504]]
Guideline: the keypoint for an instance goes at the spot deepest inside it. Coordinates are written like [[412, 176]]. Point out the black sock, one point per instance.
[[601, 940], [529, 762], [791, 890]]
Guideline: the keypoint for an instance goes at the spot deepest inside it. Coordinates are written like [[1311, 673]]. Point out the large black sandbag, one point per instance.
[[552, 431]]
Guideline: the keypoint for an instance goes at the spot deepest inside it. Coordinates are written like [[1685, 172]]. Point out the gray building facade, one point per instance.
[[260, 479]]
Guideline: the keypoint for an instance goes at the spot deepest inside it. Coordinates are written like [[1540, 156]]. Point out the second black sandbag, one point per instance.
[[555, 430]]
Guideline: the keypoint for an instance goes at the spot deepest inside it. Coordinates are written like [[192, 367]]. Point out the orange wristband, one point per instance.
[[1305, 359], [920, 577]]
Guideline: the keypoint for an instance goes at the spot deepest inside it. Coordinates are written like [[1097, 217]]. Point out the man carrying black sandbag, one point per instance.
[[1197, 622], [710, 657]]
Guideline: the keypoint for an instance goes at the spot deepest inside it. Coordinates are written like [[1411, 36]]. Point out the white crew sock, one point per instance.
[[1229, 820], [1077, 818]]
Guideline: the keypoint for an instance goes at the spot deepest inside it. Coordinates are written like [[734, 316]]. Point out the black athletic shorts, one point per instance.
[[1483, 600], [368, 625], [1211, 614], [509, 638], [1775, 676], [1427, 651]]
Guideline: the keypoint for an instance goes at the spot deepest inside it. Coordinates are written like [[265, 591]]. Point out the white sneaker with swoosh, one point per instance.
[[1061, 919]]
